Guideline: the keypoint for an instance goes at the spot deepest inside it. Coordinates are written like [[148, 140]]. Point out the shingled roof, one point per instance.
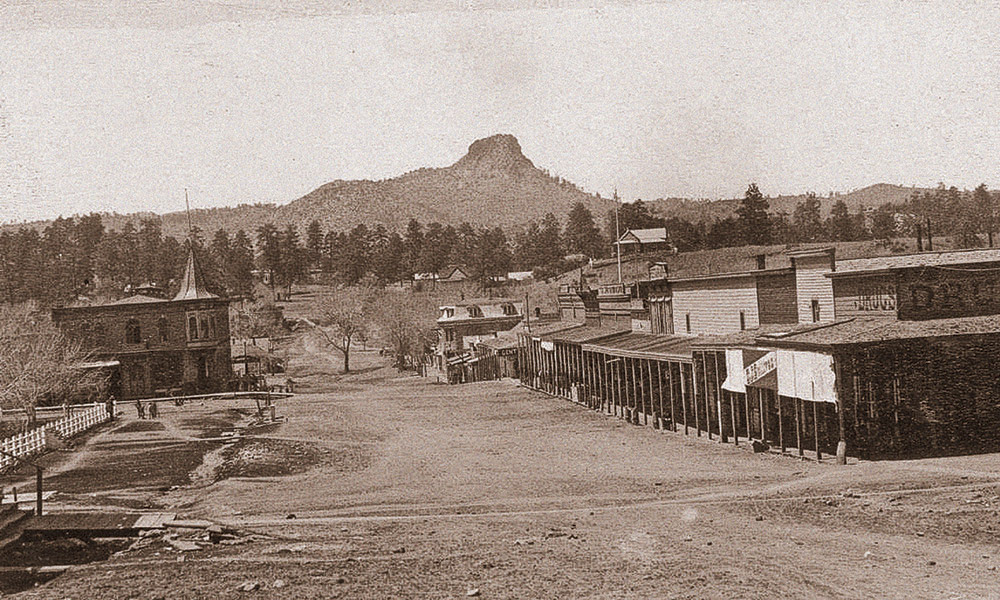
[[920, 259]]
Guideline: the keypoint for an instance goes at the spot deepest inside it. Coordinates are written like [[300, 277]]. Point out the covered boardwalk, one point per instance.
[[553, 358], [736, 378], [868, 387], [642, 377]]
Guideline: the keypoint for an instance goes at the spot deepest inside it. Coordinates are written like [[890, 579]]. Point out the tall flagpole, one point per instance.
[[187, 205], [618, 238]]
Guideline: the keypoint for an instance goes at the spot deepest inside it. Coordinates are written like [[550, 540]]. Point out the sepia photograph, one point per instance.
[[499, 299]]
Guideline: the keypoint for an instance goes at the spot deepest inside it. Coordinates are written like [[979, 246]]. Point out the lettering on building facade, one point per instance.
[[875, 297], [940, 293]]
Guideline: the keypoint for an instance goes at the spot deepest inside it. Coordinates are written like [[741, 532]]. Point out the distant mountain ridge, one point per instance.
[[492, 184], [871, 196]]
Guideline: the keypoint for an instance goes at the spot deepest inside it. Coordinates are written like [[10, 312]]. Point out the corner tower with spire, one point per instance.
[[155, 346], [192, 285]]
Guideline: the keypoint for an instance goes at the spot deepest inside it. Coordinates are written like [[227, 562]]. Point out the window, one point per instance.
[[687, 321], [474, 311], [192, 327], [743, 320], [132, 332], [815, 311], [203, 328], [164, 331], [509, 310]]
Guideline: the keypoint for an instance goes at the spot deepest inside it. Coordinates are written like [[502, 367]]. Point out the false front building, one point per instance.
[[157, 346]]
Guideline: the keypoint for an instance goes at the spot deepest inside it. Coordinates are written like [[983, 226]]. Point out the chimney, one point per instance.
[[761, 262]]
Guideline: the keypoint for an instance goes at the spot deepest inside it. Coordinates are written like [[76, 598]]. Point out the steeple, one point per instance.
[[192, 285]]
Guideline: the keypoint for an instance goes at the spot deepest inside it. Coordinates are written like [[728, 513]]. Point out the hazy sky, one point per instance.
[[119, 106]]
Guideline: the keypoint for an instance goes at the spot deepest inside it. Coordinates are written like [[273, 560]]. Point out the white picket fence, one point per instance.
[[23, 444], [82, 421], [32, 442]]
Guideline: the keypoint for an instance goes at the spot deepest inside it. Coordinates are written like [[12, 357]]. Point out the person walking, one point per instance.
[[154, 410], [140, 409]]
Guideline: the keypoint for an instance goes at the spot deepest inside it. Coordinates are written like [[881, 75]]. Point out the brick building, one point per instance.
[[154, 345]]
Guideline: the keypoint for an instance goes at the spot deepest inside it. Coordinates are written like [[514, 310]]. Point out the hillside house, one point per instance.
[[635, 241]]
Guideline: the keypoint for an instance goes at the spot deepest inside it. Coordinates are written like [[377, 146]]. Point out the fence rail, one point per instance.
[[34, 441], [23, 444], [74, 424]]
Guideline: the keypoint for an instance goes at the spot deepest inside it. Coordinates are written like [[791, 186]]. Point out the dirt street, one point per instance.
[[404, 488]]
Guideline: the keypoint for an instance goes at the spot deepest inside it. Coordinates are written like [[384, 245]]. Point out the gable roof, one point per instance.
[[449, 273], [644, 236]]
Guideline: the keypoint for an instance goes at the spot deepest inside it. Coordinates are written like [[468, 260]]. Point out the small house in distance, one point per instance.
[[154, 345], [635, 241], [452, 277], [462, 325]]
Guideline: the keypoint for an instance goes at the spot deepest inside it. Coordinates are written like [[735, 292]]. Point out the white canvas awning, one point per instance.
[[735, 377], [807, 375]]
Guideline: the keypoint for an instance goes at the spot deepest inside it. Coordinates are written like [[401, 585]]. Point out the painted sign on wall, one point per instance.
[[936, 293], [760, 367], [864, 296]]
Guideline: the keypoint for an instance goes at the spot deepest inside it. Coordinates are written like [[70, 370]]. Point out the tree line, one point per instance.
[[968, 218], [74, 257]]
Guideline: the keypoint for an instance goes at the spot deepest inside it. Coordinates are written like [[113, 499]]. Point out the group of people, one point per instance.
[[140, 409]]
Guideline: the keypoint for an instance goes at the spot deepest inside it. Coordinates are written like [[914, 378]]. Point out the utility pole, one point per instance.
[[618, 237], [527, 313]]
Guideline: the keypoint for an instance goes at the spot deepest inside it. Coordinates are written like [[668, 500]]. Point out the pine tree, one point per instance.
[[985, 208], [240, 266], [414, 246], [582, 235], [269, 251], [314, 243], [806, 221], [293, 266], [550, 246], [754, 223]]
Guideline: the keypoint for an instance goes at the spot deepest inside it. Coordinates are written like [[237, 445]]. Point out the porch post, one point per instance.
[[659, 392], [819, 455], [798, 424], [841, 427], [670, 387], [684, 410], [708, 403], [718, 398], [781, 425]]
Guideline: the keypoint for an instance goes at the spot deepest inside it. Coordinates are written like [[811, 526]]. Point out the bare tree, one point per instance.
[[342, 316], [404, 324], [38, 365]]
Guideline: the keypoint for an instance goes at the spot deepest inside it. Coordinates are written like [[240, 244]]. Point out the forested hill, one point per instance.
[[493, 184], [708, 211]]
